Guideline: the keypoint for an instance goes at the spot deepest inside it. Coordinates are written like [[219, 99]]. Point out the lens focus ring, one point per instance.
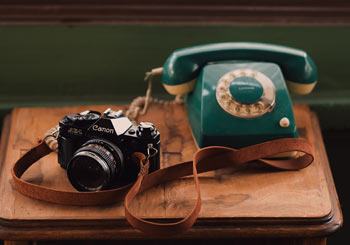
[[105, 154]]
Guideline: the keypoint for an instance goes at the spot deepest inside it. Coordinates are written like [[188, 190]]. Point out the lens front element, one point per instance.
[[94, 166]]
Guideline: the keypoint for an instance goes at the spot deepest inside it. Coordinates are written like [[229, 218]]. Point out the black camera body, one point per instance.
[[96, 150]]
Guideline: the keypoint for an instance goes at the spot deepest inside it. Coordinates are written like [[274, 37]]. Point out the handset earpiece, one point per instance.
[[183, 65]]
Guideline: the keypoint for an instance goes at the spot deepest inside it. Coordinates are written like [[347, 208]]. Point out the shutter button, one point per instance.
[[145, 129]]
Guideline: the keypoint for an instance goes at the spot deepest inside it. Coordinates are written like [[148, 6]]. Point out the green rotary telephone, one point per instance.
[[236, 93]]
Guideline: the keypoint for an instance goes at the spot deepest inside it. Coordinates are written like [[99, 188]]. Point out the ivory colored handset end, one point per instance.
[[180, 89], [177, 90], [301, 88], [157, 71]]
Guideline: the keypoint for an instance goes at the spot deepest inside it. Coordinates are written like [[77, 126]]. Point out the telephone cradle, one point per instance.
[[237, 93]]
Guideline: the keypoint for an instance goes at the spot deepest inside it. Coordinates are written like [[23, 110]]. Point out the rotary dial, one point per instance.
[[246, 93]]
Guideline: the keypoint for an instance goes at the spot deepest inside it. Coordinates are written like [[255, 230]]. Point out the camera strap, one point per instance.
[[204, 160]]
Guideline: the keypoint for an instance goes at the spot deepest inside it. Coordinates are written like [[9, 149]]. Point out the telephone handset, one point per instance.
[[236, 92]]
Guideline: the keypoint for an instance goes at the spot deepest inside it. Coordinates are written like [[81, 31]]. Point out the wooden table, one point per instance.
[[252, 204]]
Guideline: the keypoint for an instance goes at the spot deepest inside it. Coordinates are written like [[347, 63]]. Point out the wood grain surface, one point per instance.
[[266, 241], [310, 12], [249, 196]]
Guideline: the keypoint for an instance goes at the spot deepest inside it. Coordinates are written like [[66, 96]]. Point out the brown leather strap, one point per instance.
[[206, 159], [56, 196]]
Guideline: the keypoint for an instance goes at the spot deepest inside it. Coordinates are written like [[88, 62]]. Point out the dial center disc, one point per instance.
[[246, 90]]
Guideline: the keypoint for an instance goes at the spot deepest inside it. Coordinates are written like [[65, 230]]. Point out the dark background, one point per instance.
[[337, 145]]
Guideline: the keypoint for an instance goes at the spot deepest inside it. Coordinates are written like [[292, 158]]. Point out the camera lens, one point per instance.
[[96, 165]]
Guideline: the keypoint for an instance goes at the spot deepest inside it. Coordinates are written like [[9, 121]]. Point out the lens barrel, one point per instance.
[[95, 166]]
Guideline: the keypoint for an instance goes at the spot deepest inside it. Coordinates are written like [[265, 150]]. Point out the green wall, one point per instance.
[[55, 65]]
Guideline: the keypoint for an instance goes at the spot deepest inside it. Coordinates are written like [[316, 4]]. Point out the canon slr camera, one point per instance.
[[96, 150]]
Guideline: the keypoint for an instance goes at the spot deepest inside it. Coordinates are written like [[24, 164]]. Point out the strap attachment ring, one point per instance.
[[50, 138]]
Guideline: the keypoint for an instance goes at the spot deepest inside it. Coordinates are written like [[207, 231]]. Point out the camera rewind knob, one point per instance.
[[80, 119]]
